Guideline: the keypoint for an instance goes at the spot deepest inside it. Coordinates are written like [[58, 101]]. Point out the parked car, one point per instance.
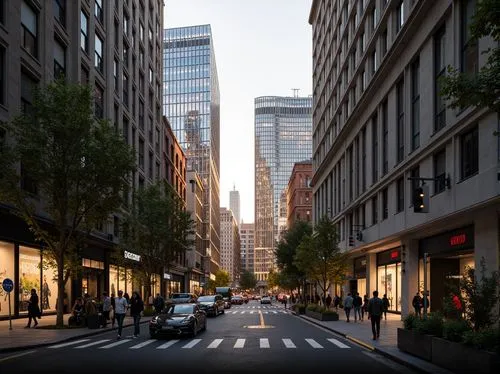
[[237, 300], [265, 300], [213, 305], [177, 319], [182, 297]]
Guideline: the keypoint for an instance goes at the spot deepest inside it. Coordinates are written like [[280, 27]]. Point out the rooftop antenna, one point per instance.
[[295, 92]]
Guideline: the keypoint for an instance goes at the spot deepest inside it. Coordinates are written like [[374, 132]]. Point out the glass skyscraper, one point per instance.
[[191, 104], [283, 128]]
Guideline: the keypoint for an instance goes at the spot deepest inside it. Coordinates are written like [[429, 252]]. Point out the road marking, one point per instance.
[[314, 343], [70, 343], [143, 344], [167, 344], [119, 342], [261, 318], [215, 343], [288, 343], [266, 312], [264, 343], [192, 343], [275, 312], [251, 312], [91, 344], [18, 355], [234, 312], [240, 343], [338, 343], [243, 312]]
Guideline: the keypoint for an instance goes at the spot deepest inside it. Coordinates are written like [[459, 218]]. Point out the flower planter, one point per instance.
[[460, 358], [322, 316], [414, 343]]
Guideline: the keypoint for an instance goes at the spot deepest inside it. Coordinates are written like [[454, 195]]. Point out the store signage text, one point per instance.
[[458, 239], [132, 256], [394, 254]]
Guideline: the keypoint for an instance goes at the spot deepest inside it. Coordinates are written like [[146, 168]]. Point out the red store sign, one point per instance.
[[458, 239]]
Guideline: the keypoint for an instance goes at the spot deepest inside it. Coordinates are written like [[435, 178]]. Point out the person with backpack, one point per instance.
[[375, 309]]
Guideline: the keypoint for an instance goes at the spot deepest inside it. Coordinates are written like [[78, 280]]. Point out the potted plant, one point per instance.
[[299, 308], [416, 336], [321, 313]]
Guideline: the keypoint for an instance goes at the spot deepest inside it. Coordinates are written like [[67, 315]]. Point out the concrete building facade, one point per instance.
[[230, 245], [299, 193]]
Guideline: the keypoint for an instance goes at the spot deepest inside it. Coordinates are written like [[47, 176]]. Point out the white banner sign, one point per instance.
[[132, 256]]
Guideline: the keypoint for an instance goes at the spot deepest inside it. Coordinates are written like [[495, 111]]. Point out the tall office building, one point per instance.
[[247, 246], [379, 120], [191, 103], [234, 203], [230, 245], [283, 127]]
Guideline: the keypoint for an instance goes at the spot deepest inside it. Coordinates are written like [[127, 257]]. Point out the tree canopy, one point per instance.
[[247, 280], [221, 280]]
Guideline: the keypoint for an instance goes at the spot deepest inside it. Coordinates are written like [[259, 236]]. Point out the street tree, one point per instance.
[[480, 89], [319, 256], [61, 163], [221, 280], [247, 280], [157, 228]]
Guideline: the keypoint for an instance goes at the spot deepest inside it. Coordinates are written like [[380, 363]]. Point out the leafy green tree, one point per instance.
[[158, 229], [221, 280], [58, 161], [247, 280], [319, 256], [482, 89]]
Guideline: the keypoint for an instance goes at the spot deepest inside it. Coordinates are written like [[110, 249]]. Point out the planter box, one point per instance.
[[322, 316], [416, 344], [301, 310], [460, 358]]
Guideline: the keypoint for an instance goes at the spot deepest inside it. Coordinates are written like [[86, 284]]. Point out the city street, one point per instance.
[[247, 338]]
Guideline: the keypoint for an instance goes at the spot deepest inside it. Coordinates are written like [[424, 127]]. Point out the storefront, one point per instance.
[[389, 277], [93, 278], [358, 283], [122, 277], [175, 284], [448, 254]]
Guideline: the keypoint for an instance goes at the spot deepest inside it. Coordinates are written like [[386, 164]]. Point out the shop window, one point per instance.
[[6, 271], [48, 294], [29, 276]]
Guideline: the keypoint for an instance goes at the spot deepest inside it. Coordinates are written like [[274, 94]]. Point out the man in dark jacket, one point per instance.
[[375, 309], [356, 303], [33, 309], [158, 303], [136, 308]]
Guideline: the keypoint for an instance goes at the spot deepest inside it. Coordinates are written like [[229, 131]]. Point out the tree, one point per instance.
[[158, 229], [319, 256], [247, 280], [221, 280], [61, 161], [482, 89]]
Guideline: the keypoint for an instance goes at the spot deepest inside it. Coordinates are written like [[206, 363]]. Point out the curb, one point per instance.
[[32, 346]]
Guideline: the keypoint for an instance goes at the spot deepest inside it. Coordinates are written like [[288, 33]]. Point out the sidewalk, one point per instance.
[[387, 345], [20, 338]]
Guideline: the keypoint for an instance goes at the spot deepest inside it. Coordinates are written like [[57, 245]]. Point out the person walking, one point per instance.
[[348, 302], [336, 302], [136, 308], [158, 303], [328, 301], [106, 308], [386, 304], [33, 309], [112, 312], [357, 302], [121, 306], [417, 304], [364, 308], [375, 309]]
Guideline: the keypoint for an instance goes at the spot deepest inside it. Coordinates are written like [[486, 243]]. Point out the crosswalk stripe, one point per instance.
[[264, 343], [275, 312], [70, 343], [192, 343], [91, 344], [288, 343], [240, 343], [215, 343], [252, 311], [119, 342], [338, 343], [314, 343], [243, 312], [143, 344], [167, 344], [235, 312]]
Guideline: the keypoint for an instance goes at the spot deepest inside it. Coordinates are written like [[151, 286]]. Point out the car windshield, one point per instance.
[[206, 298], [181, 296], [180, 309]]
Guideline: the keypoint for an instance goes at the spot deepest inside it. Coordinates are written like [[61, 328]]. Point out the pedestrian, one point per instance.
[[112, 312], [33, 309], [136, 308], [285, 299], [328, 301], [158, 303], [357, 302], [364, 308], [375, 309], [417, 304], [121, 306], [386, 305], [348, 302], [336, 302], [106, 308]]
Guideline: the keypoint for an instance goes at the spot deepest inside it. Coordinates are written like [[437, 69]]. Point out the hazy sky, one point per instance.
[[262, 48]]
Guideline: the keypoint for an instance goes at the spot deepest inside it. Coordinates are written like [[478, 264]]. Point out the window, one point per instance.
[[141, 153], [2, 12], [59, 59], [125, 89], [2, 75], [150, 129], [99, 13], [414, 173], [99, 63], [374, 17], [439, 71], [84, 31], [439, 171], [400, 203], [400, 112], [141, 32], [84, 75], [125, 130], [469, 52], [125, 24], [415, 105], [150, 165], [363, 159], [99, 102], [374, 210], [469, 149], [29, 29], [383, 42], [27, 86], [157, 140], [375, 148], [385, 203], [399, 16], [115, 74], [385, 139], [151, 76], [374, 62], [60, 11]]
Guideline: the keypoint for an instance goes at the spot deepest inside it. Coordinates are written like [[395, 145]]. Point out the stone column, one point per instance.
[[371, 273], [409, 274], [486, 227]]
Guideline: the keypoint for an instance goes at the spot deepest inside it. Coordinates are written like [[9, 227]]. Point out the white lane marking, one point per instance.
[[240, 343], [167, 344], [18, 355], [215, 343], [288, 343], [192, 343], [70, 343], [265, 312], [264, 343], [338, 343], [252, 311], [91, 344], [119, 342], [275, 312], [314, 343], [243, 312], [235, 312], [143, 344]]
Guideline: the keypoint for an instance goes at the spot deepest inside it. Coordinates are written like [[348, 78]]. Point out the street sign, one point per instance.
[[8, 285]]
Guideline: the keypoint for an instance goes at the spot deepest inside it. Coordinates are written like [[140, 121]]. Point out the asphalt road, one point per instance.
[[251, 338]]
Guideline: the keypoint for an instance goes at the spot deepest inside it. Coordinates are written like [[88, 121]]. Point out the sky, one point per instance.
[[262, 48]]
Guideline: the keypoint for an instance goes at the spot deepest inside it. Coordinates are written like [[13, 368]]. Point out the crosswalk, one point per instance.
[[280, 311], [240, 343]]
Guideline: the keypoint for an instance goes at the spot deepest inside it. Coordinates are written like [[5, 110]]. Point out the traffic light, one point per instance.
[[421, 199], [351, 241], [359, 236]]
